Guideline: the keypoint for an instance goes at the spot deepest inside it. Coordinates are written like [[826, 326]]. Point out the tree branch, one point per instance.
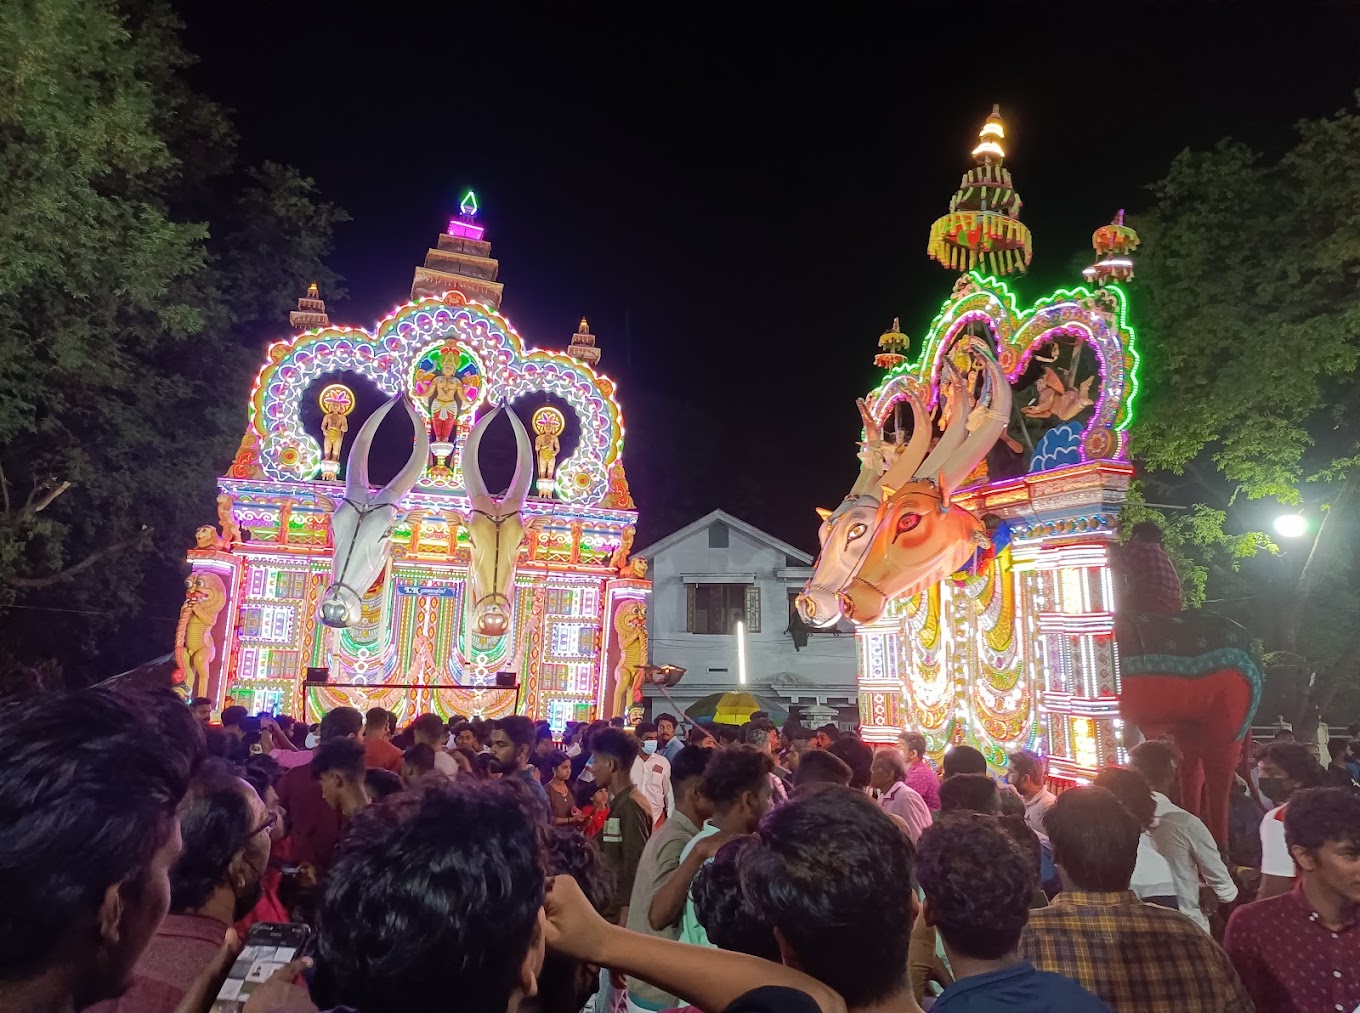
[[46, 501], [4, 488], [77, 568]]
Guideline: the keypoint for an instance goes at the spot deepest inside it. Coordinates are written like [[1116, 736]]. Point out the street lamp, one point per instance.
[[1291, 525]]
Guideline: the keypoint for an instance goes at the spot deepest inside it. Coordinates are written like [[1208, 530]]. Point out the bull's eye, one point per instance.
[[906, 522], [857, 531]]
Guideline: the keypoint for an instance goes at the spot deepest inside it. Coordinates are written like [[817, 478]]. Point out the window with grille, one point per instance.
[[717, 608]]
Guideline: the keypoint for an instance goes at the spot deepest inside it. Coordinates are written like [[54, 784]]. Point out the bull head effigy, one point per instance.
[[495, 528], [846, 531], [364, 522], [919, 537]]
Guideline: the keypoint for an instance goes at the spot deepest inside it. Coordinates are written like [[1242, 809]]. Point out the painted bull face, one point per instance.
[[495, 529], [845, 537]]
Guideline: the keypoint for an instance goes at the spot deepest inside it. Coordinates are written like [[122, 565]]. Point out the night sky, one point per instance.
[[740, 212]]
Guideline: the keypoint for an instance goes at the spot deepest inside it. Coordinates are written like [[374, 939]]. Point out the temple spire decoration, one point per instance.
[[1114, 245], [461, 260], [983, 227], [582, 345], [311, 311]]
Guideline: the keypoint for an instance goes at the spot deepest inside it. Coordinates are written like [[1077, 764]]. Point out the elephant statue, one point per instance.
[[1194, 675]]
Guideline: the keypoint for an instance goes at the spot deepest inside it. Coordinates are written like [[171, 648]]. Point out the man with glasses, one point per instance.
[[215, 882]]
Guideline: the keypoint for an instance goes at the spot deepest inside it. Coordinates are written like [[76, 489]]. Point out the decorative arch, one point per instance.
[[278, 447]]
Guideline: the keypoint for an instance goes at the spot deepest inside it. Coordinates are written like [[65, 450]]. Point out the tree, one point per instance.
[[1246, 297], [132, 278]]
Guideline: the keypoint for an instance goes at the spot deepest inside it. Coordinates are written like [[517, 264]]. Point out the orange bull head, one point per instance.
[[919, 541]]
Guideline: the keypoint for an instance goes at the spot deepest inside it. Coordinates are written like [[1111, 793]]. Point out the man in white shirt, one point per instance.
[[429, 730], [1181, 837], [651, 774], [1026, 775], [1285, 768], [888, 776]]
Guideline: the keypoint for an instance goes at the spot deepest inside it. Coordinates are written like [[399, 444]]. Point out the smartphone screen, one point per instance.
[[269, 945]]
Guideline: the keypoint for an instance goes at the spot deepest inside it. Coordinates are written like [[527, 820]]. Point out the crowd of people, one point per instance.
[[491, 868]]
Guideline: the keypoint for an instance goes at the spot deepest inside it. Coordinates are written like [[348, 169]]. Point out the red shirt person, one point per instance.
[[378, 751], [1150, 577], [313, 826], [1299, 952]]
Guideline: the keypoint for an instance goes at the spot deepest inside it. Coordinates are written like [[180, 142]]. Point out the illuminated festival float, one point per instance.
[[432, 591], [974, 552]]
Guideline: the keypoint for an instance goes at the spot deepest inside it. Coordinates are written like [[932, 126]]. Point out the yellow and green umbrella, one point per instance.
[[735, 709]]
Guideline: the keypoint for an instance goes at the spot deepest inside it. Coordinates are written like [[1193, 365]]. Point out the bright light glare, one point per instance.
[[1291, 526]]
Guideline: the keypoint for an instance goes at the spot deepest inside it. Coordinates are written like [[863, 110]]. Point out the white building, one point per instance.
[[717, 573]]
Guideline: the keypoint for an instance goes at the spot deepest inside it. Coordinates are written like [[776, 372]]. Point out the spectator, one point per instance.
[[543, 741], [1286, 766], [857, 756], [380, 784], [234, 720], [1300, 951], [88, 835], [458, 877], [824, 736], [512, 740], [469, 763], [1353, 758], [262, 773], [920, 777], [761, 735], [313, 826], [669, 744], [564, 811], [1026, 775], [888, 776], [1151, 880], [1138, 957], [736, 787], [728, 735], [830, 876], [216, 881], [617, 721], [339, 765], [1150, 577], [798, 742], [1338, 770], [595, 812], [661, 883], [702, 735], [726, 914], [416, 763], [978, 887], [428, 730], [378, 751], [651, 772], [201, 707], [817, 766], [970, 793], [963, 760], [1180, 837], [567, 984], [464, 736]]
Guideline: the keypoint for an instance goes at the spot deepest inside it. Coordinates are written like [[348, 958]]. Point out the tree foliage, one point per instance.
[[1247, 302], [138, 261]]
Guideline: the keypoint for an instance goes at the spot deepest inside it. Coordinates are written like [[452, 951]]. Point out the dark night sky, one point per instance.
[[741, 212]]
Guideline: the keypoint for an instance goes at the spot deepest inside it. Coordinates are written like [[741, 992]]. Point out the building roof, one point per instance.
[[736, 523]]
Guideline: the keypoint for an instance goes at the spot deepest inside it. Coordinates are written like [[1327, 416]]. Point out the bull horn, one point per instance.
[[392, 493], [356, 465], [955, 429], [994, 419], [905, 466], [473, 482], [873, 433], [823, 513], [524, 465]]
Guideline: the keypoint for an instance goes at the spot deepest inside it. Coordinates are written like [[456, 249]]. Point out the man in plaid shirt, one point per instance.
[[1138, 957], [1153, 584]]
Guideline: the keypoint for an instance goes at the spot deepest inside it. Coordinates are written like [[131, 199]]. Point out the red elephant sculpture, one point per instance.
[[1193, 675]]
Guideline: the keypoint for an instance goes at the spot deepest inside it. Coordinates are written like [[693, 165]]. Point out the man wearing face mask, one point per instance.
[[651, 773], [215, 882], [1285, 767]]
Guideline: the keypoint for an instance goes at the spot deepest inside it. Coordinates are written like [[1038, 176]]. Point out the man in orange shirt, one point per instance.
[[378, 752]]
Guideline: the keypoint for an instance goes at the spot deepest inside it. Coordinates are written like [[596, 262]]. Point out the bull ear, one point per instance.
[[824, 513], [945, 493], [888, 492]]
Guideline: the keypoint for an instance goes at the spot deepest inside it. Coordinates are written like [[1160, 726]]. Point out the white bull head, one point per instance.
[[846, 531], [363, 524], [495, 528]]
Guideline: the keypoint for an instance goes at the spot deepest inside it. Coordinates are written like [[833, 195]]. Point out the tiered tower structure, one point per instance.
[[311, 311], [461, 261], [582, 347]]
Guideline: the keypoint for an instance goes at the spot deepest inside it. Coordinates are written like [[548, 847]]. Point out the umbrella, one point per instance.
[[734, 709]]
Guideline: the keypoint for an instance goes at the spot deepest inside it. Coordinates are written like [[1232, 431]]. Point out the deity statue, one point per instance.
[[231, 531], [1057, 397], [205, 595], [334, 426], [548, 424], [446, 398], [336, 401], [630, 627], [619, 561], [206, 537]]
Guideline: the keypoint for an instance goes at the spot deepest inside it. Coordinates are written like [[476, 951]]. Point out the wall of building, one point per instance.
[[822, 672]]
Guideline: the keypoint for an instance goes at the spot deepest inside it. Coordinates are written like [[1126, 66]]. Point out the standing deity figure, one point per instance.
[[231, 531], [446, 399], [548, 424], [204, 597], [336, 401], [334, 426]]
